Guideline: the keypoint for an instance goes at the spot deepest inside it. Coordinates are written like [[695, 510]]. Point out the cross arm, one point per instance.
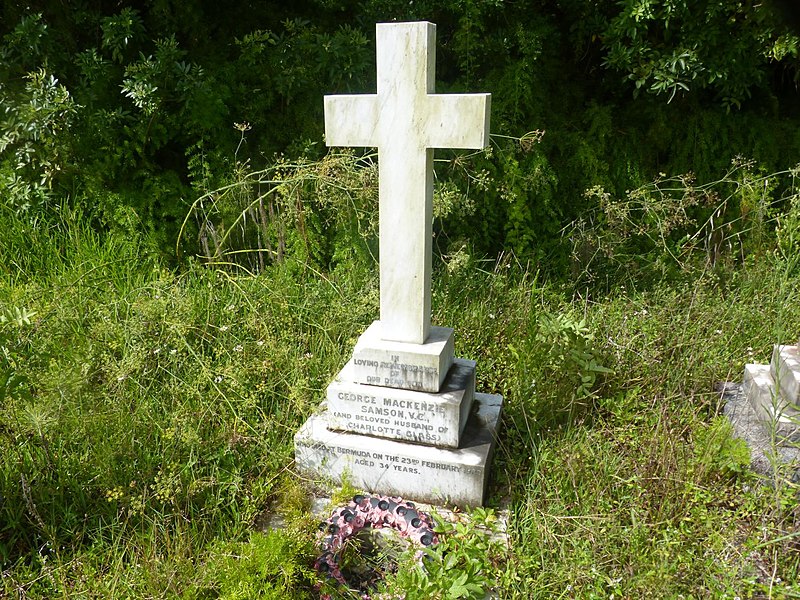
[[458, 120], [351, 120]]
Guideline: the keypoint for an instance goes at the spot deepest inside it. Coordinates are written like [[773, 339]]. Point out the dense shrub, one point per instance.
[[143, 108]]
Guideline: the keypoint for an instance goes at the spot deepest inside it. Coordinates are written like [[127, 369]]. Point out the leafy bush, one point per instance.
[[670, 48], [466, 564], [34, 137], [139, 107]]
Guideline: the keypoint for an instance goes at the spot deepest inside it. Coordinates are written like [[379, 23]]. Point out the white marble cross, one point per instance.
[[406, 120]]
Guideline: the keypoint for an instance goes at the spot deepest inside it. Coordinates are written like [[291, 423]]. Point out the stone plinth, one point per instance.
[[431, 418], [423, 473], [419, 367]]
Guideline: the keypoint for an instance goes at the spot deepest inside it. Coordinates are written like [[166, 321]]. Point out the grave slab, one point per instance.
[[420, 367], [786, 371], [422, 473], [770, 407], [432, 418], [766, 457]]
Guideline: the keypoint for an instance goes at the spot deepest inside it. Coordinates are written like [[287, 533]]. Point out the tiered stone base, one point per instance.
[[423, 473], [404, 419], [773, 391], [425, 417], [420, 367]]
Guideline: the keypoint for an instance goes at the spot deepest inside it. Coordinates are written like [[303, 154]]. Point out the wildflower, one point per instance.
[[218, 379], [224, 328], [157, 350], [260, 343], [238, 348]]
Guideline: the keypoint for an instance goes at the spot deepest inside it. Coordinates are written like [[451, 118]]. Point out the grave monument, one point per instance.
[[765, 412], [403, 417]]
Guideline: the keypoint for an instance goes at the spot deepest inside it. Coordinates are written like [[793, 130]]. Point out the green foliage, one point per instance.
[[674, 225], [271, 565], [140, 106], [324, 212], [670, 48], [26, 45], [138, 403], [654, 458], [718, 451], [628, 510], [513, 186], [154, 428], [571, 349], [34, 142], [119, 31], [12, 383], [320, 213], [787, 230], [465, 565]]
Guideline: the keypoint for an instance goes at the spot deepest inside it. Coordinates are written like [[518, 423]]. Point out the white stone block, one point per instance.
[[430, 418], [419, 367], [770, 406], [785, 368], [422, 473], [759, 388]]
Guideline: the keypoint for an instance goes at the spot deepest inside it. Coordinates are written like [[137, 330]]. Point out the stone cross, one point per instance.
[[405, 120]]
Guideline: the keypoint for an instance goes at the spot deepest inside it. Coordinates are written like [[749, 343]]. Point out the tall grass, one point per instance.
[[153, 412], [147, 420]]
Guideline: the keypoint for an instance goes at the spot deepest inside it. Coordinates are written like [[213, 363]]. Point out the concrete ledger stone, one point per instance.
[[424, 417], [422, 473], [420, 367]]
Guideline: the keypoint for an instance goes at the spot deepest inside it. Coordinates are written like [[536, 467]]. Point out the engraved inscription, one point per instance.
[[399, 464], [396, 374], [350, 397], [399, 418], [365, 362]]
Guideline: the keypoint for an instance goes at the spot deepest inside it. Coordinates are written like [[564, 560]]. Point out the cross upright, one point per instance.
[[405, 120]]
